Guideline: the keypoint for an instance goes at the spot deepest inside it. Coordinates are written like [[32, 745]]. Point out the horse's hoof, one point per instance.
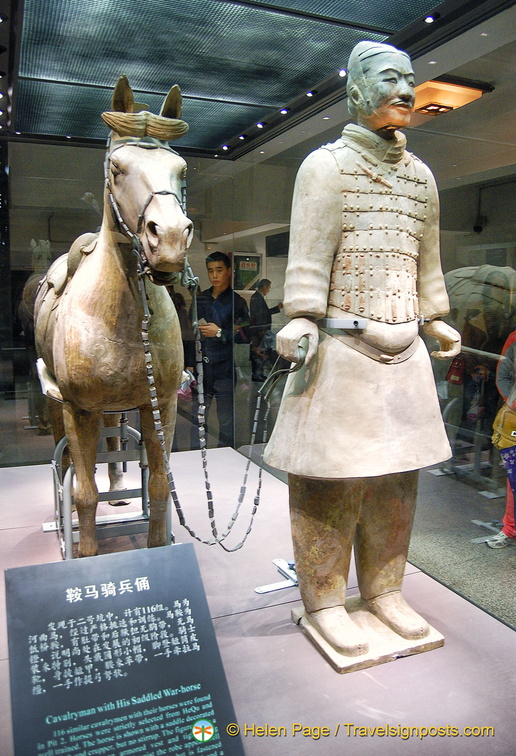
[[88, 551]]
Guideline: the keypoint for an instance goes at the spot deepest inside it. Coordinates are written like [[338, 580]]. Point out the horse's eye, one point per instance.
[[115, 169]]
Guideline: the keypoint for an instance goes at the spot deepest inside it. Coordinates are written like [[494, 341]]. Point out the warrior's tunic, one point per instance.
[[364, 242]]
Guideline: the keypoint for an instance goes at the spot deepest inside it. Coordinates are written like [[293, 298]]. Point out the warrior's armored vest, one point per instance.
[[384, 208]]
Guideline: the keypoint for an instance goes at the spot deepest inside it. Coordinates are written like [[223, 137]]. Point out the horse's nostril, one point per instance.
[[152, 228]]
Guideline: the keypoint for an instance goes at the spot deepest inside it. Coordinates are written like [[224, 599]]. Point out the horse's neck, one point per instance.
[[115, 250]]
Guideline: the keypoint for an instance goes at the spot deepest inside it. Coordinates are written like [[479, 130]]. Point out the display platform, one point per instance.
[[284, 692]]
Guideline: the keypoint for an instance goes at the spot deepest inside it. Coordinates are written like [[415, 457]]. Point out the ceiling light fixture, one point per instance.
[[436, 97], [243, 136], [342, 73], [431, 18], [225, 147], [261, 124], [284, 111]]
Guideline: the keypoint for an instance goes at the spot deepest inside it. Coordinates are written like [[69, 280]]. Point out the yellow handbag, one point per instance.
[[504, 428]]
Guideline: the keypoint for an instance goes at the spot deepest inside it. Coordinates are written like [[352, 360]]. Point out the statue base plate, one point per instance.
[[384, 644]]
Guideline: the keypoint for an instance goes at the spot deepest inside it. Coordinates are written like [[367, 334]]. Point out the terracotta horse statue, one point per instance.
[[106, 327]]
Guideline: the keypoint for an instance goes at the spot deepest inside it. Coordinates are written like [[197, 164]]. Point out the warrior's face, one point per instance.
[[387, 101]]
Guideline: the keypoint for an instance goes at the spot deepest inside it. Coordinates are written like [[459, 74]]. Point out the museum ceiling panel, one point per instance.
[[237, 63]]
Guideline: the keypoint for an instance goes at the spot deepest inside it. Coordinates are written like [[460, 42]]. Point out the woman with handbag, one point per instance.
[[504, 438]]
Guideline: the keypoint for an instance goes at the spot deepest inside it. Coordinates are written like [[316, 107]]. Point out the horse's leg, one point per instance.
[[82, 429], [158, 484], [115, 470], [55, 413]]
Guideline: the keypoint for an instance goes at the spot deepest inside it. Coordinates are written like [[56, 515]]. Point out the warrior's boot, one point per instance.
[[323, 524], [381, 548]]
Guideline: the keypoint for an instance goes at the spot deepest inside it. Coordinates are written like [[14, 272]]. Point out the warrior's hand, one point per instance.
[[287, 340], [448, 338]]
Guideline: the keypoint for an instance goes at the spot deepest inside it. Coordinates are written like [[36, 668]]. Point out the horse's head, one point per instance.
[[144, 179]]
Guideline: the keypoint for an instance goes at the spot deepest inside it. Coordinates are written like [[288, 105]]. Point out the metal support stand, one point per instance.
[[66, 526], [288, 570]]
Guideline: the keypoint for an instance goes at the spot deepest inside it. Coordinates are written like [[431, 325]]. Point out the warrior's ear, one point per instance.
[[173, 104], [355, 95], [123, 99]]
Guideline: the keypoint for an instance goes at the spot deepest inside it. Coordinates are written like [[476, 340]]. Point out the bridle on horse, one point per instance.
[[190, 281], [146, 143]]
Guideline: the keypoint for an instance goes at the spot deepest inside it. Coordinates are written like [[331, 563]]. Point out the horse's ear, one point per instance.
[[123, 99], [172, 105]]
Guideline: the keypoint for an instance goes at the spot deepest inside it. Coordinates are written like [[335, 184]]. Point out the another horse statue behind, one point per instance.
[[106, 327]]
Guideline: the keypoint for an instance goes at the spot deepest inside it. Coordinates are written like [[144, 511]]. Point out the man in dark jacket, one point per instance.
[[221, 313], [261, 323]]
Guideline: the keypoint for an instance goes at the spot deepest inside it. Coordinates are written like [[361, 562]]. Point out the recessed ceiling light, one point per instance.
[[243, 136], [284, 111], [225, 147], [431, 18], [342, 72], [261, 124]]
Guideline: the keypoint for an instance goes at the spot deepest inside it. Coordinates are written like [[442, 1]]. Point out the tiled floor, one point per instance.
[[275, 676]]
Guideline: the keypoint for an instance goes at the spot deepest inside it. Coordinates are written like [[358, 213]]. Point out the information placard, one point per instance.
[[116, 655]]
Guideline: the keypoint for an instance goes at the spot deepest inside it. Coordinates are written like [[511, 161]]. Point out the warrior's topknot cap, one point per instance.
[[364, 50]]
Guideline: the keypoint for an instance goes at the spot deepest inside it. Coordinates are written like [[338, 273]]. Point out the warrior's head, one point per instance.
[[380, 87]]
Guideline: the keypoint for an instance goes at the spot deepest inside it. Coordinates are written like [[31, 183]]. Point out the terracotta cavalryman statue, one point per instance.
[[362, 416]]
